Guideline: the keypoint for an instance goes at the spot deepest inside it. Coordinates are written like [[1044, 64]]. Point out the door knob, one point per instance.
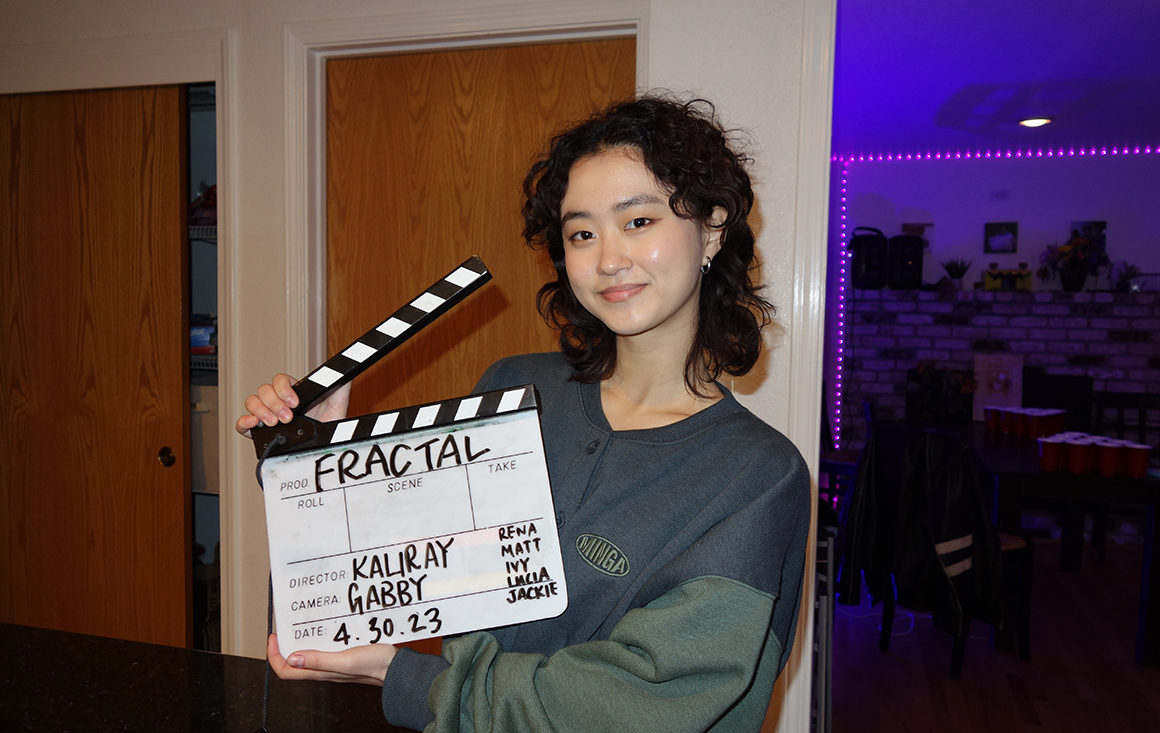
[[166, 456]]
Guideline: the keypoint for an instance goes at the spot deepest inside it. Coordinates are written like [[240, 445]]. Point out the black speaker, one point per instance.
[[905, 269], [870, 250]]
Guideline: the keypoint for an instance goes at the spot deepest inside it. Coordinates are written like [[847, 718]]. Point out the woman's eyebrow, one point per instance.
[[570, 215], [641, 199]]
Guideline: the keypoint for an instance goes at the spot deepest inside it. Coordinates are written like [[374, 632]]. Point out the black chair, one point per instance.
[[917, 529], [1074, 394], [1127, 416]]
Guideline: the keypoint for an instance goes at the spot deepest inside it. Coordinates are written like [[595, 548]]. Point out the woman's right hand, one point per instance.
[[365, 664], [274, 403]]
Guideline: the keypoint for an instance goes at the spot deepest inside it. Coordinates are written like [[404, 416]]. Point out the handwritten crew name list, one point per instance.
[[429, 533]]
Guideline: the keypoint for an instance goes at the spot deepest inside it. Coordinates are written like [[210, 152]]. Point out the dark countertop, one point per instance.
[[57, 682]]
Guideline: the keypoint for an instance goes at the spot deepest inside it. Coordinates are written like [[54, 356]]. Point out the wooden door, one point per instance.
[[94, 530], [426, 155]]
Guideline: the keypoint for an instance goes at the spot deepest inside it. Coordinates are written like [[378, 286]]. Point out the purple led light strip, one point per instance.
[[843, 265], [1069, 152]]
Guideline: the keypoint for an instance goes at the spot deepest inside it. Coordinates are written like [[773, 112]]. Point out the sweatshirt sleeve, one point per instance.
[[681, 663], [407, 685]]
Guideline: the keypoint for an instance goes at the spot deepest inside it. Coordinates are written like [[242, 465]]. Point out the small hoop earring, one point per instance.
[[705, 267]]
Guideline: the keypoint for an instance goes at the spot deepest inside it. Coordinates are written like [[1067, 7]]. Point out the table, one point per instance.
[[1014, 464], [64, 682]]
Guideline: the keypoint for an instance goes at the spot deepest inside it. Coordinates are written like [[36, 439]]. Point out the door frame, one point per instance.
[[310, 45], [158, 59]]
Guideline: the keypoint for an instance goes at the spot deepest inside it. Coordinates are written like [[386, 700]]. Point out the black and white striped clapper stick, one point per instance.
[[381, 425], [347, 364]]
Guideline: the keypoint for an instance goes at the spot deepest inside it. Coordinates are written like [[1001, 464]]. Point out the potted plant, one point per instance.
[[1122, 275], [956, 270], [1079, 257]]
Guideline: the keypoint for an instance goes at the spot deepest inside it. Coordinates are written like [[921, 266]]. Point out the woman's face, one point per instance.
[[631, 261]]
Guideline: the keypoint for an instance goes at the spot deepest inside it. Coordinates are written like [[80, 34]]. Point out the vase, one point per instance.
[[1072, 280]]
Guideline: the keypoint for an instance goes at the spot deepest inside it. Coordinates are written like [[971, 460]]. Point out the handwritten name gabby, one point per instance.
[[407, 588], [351, 465]]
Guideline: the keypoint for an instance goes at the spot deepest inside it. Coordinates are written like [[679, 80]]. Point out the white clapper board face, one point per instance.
[[438, 520]]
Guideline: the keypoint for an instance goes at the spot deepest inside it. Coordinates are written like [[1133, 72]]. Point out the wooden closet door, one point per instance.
[[426, 155], [94, 530]]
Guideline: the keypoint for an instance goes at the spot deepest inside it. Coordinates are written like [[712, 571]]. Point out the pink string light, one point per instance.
[[843, 255]]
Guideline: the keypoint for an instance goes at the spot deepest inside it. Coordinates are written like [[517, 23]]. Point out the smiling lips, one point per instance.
[[620, 293]]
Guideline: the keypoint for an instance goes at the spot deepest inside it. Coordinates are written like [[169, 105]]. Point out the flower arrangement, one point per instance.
[[1080, 256]]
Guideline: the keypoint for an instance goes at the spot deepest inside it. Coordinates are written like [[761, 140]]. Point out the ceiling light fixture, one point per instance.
[[1034, 122]]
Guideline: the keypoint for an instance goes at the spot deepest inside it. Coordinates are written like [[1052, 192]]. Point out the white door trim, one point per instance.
[[807, 327]]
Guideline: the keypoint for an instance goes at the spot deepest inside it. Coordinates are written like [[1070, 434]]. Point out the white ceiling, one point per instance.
[[916, 76]]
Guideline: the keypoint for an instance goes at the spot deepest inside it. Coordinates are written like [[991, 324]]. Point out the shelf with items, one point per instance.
[[205, 362], [203, 233], [203, 345]]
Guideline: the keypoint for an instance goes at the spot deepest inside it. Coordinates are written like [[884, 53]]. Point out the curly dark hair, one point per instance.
[[685, 147]]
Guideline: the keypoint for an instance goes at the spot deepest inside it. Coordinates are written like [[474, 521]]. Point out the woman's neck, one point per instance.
[[648, 389]]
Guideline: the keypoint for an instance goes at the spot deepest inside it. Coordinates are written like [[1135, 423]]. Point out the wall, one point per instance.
[[767, 64], [1114, 338]]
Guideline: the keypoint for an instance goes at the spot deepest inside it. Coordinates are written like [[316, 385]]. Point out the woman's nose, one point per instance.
[[613, 256]]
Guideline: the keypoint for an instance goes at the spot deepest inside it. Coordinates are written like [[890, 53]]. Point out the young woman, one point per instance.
[[643, 211]]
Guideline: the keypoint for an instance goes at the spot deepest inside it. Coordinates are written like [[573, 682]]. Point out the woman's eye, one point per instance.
[[638, 222], [581, 236]]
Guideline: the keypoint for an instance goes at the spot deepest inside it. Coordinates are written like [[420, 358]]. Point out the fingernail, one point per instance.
[[297, 660], [285, 414]]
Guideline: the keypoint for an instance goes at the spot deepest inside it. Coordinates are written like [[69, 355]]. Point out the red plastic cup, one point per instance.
[[1022, 419], [1109, 457], [1006, 420], [991, 415], [1054, 419], [1038, 425], [1051, 454], [1137, 456], [1079, 455]]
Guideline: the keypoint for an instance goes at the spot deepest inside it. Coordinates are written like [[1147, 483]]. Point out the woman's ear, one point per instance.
[[714, 231]]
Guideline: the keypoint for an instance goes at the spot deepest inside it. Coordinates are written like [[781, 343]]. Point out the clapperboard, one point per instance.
[[425, 521]]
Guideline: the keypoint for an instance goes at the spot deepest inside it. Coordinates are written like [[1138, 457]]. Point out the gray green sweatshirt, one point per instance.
[[684, 550]]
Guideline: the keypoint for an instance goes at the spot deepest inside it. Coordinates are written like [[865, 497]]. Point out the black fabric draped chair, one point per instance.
[[918, 530]]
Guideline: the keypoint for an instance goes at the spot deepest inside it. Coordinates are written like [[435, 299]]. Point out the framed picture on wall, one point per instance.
[[999, 379], [1001, 237]]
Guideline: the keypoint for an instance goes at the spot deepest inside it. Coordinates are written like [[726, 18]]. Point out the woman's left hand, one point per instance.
[[365, 664]]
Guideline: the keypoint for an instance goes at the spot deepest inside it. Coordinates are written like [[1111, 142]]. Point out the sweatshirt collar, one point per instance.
[[720, 410]]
